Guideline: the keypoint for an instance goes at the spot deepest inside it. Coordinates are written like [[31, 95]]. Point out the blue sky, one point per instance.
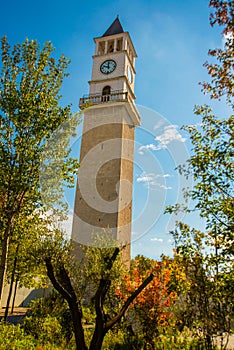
[[171, 39]]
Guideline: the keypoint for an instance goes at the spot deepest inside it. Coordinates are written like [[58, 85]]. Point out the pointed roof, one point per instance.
[[115, 28]]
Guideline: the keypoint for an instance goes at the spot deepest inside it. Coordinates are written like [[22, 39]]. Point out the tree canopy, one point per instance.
[[207, 257], [30, 112]]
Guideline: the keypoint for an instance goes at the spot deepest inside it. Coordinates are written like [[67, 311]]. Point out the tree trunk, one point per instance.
[[11, 284], [8, 299], [99, 332], [62, 284], [103, 327], [77, 327], [3, 264], [97, 339], [209, 342], [14, 296]]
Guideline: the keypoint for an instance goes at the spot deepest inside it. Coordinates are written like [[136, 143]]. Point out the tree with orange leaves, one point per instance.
[[152, 309]]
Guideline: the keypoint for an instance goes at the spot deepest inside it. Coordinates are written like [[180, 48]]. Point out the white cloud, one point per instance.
[[166, 175], [164, 187], [169, 135], [159, 124], [156, 239], [150, 146], [152, 180]]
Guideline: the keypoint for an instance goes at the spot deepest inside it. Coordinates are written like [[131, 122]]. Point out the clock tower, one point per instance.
[[104, 189]]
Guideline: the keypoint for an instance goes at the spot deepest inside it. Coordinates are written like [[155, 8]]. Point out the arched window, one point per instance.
[[106, 93]]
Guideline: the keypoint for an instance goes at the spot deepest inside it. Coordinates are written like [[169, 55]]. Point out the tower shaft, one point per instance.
[[104, 189]]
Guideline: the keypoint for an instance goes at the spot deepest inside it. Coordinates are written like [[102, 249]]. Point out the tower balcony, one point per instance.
[[94, 99]]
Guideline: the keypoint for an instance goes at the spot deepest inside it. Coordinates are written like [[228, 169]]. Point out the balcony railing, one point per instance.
[[114, 96]]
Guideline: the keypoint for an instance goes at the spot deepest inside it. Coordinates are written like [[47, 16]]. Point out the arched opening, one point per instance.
[[106, 93], [111, 46]]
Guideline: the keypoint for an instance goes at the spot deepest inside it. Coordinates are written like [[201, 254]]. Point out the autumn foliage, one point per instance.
[[221, 72], [152, 309]]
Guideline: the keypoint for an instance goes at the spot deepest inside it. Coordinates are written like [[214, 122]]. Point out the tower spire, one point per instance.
[[115, 28]]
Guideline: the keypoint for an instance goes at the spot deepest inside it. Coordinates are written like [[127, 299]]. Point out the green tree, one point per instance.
[[23, 270], [205, 304], [211, 163], [93, 281], [30, 113], [208, 256]]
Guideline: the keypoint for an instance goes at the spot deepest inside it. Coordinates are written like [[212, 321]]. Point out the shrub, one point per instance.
[[14, 338], [171, 339], [49, 321], [45, 330]]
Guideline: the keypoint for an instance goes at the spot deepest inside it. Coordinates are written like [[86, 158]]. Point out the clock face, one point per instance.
[[108, 66]]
